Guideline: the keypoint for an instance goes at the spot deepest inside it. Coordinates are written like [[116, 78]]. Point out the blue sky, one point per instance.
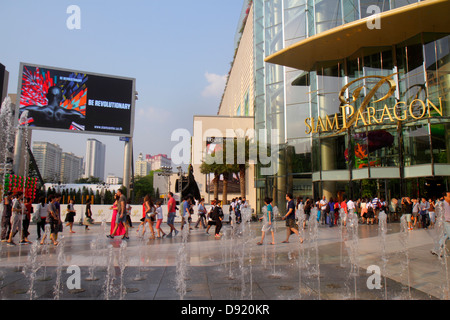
[[179, 52]]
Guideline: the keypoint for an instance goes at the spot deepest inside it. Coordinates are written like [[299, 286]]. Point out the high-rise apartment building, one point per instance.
[[71, 167], [48, 159], [142, 166], [95, 159]]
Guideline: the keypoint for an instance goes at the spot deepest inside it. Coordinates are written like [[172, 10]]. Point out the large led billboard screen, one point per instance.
[[62, 99]]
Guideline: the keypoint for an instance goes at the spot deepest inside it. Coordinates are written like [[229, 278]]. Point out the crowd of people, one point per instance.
[[419, 212], [18, 213]]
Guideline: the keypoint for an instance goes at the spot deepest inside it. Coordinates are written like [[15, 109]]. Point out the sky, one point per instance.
[[178, 51]]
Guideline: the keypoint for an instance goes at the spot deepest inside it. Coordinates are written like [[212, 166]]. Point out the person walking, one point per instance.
[[120, 229], [149, 212], [172, 212], [121, 216], [40, 216], [268, 221], [432, 213], [202, 214], [70, 217], [446, 217], [53, 220], [18, 211], [159, 219], [291, 226], [406, 209]]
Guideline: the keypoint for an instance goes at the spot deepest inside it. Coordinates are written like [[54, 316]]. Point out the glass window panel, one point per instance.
[[401, 3], [416, 144], [295, 23], [328, 14], [440, 137], [295, 120], [383, 148]]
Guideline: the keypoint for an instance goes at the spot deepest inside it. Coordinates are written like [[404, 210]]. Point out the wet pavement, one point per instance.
[[88, 266]]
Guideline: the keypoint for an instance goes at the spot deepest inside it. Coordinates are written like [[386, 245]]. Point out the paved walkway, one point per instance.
[[200, 267]]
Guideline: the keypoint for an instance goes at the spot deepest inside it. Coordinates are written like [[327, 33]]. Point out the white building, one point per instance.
[[48, 159], [112, 179], [71, 167], [142, 166], [95, 159], [159, 161]]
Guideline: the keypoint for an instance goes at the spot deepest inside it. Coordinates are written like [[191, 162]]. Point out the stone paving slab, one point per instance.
[[219, 270]]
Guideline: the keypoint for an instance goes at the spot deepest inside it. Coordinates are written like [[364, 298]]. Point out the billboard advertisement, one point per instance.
[[70, 100]]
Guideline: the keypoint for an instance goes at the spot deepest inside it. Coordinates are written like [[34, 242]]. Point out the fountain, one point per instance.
[[95, 253], [57, 288], [342, 218], [302, 233], [313, 231], [382, 230], [352, 231], [45, 251], [182, 261], [31, 268], [440, 248], [108, 287], [404, 233], [140, 276], [122, 265]]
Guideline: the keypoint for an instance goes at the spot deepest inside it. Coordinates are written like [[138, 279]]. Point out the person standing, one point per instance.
[[424, 206], [415, 211], [88, 215], [268, 221], [331, 212], [291, 226], [172, 212], [432, 213], [323, 209], [26, 220], [407, 207], [6, 216]]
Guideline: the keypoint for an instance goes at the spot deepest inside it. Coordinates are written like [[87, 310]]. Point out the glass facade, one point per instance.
[[379, 154]]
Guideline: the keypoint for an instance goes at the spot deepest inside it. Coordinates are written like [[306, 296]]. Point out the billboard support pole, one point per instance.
[[127, 165], [18, 152]]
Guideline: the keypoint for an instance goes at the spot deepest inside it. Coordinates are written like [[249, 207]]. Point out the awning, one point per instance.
[[397, 25]]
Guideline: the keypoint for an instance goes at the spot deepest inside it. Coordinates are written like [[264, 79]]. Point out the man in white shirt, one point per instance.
[[351, 206], [323, 207]]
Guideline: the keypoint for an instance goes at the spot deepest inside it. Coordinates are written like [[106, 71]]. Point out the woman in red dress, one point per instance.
[[121, 230]]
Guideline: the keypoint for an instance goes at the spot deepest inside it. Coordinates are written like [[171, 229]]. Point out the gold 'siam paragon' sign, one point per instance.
[[365, 115]]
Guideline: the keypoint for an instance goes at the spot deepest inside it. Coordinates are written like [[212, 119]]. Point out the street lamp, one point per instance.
[[166, 172], [102, 186]]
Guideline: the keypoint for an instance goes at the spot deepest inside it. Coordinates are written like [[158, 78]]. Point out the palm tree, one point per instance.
[[208, 168]]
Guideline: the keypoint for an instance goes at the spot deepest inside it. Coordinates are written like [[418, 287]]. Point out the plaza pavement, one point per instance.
[[231, 268]]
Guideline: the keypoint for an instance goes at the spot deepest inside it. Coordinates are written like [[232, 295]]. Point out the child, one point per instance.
[[268, 221], [159, 219]]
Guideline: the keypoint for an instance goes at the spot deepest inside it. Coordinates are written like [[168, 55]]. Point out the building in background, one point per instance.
[[71, 168], [48, 159], [113, 180], [4, 77], [158, 161], [142, 166], [95, 159]]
